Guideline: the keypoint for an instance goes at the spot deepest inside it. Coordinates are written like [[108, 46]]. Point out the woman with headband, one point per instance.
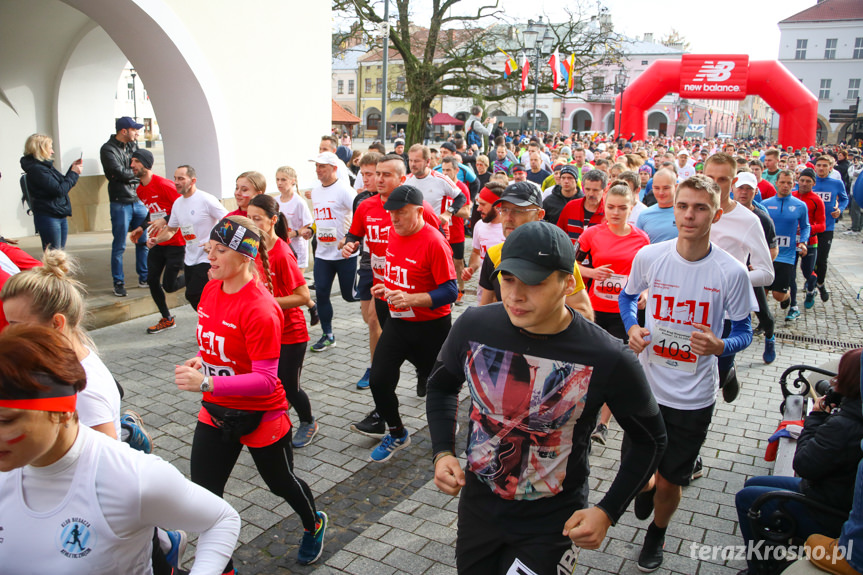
[[290, 290], [74, 500], [239, 333]]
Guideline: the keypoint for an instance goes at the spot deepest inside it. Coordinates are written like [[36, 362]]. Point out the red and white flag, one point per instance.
[[525, 71], [554, 62]]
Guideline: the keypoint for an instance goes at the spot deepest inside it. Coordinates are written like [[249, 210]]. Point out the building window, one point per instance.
[[350, 86], [858, 48], [824, 92], [578, 84], [373, 121], [368, 85], [379, 85], [853, 88], [598, 85], [644, 62], [341, 87], [130, 93], [800, 54], [830, 49], [400, 85]]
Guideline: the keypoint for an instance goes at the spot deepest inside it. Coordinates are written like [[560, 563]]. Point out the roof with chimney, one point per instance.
[[829, 11]]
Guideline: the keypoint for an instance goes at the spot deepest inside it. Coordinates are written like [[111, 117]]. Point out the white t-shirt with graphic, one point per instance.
[[334, 208], [196, 216], [679, 294], [297, 212]]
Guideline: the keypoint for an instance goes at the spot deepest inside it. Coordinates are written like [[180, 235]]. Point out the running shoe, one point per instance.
[[822, 291], [138, 438], [390, 445], [314, 318], [422, 388], [119, 289], [758, 330], [373, 425], [769, 350], [363, 383], [731, 387], [793, 314], [643, 505], [312, 544], [785, 303], [650, 557], [143, 285], [305, 433], [600, 434], [179, 539], [460, 299], [326, 341], [697, 469], [164, 323], [809, 300]]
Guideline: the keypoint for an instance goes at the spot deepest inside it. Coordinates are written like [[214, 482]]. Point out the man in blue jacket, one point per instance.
[[835, 198]]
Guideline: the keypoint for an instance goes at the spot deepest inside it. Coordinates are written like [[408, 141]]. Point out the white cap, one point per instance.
[[746, 179], [683, 153], [326, 158]]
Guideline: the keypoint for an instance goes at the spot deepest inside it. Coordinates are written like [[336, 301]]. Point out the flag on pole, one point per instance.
[[554, 62], [510, 66], [570, 68], [525, 71]]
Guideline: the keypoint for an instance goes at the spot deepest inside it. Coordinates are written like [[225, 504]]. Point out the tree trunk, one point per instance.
[[415, 133]]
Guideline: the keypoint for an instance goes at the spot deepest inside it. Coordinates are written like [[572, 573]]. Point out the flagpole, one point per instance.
[[382, 129]]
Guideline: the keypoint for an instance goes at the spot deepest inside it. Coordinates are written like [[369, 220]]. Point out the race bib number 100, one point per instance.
[[670, 348]]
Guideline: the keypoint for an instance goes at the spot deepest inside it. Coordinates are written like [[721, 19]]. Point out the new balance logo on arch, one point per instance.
[[718, 72]]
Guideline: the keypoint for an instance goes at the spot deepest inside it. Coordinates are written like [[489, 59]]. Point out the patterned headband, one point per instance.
[[239, 238]]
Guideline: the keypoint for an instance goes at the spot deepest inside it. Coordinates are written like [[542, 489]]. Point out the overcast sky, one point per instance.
[[727, 27]]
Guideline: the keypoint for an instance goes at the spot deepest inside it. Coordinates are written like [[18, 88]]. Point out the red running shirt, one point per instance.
[[418, 263], [604, 248], [159, 197], [456, 225], [372, 222], [286, 277]]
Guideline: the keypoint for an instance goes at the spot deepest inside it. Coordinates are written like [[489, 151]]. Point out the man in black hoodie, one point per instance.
[[127, 211], [567, 189]]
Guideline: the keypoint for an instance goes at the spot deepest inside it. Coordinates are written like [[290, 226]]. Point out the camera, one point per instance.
[[831, 397]]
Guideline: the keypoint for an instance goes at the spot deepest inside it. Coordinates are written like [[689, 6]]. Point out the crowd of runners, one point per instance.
[[613, 279]]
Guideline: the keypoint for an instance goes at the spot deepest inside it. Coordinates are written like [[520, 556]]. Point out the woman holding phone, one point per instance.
[[49, 190]]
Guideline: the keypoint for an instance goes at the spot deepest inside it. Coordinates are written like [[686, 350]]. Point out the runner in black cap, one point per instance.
[[538, 374], [419, 284]]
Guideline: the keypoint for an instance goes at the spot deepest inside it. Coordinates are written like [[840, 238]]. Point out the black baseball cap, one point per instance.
[[403, 196], [521, 194], [534, 250]]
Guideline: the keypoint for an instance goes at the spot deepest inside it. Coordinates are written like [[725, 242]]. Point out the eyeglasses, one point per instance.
[[515, 212]]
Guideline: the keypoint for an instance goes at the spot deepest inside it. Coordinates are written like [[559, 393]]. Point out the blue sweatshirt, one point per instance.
[[834, 195], [788, 214]]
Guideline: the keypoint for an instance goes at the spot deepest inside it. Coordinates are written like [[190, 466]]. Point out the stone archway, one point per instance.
[[581, 120], [658, 121]]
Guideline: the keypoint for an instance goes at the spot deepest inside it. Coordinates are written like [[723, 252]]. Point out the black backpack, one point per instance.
[[25, 194]]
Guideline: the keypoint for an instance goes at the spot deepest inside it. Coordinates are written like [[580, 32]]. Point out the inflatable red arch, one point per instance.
[[722, 77]]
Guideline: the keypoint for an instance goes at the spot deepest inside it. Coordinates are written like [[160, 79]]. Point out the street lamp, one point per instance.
[[134, 95], [620, 80], [531, 37]]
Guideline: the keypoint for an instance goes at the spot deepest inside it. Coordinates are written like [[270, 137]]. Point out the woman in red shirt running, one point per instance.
[[612, 247], [290, 289], [249, 185], [239, 334]]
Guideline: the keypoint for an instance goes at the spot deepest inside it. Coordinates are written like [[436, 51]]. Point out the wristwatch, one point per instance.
[[450, 210], [205, 385]]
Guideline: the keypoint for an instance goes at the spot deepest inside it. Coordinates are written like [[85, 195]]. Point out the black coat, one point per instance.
[[555, 202], [122, 181], [49, 189], [828, 452]]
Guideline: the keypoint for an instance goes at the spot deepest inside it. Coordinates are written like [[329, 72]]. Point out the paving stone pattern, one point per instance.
[[390, 518]]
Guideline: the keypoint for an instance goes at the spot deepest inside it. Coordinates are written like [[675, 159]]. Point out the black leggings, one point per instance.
[[764, 315], [415, 341], [197, 277], [213, 459], [825, 240], [290, 368], [612, 323], [167, 259]]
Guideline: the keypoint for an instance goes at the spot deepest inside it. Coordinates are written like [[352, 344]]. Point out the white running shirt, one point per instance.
[[739, 233], [680, 293], [297, 212], [99, 403], [334, 205], [196, 216], [434, 187]]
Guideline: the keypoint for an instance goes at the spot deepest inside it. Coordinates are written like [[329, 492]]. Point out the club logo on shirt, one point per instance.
[[75, 538]]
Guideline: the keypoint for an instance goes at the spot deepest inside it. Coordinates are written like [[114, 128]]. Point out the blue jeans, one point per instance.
[[757, 486], [51, 230], [852, 530], [325, 273], [125, 218]]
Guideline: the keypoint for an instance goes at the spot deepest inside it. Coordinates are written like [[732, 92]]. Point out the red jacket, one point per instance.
[[571, 218], [817, 214]]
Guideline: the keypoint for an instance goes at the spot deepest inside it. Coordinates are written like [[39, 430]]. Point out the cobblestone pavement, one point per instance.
[[389, 518]]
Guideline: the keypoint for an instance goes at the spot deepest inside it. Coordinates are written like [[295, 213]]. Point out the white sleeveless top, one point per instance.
[[74, 536]]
